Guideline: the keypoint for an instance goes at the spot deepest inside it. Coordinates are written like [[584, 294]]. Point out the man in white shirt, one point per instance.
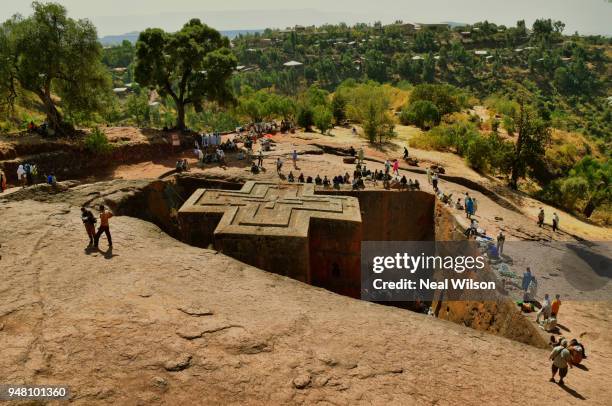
[[545, 310], [561, 358]]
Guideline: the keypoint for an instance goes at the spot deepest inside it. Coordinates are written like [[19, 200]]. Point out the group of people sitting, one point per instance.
[[182, 165]]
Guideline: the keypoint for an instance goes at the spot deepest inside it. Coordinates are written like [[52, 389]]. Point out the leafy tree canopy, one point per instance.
[[52, 55], [190, 66]]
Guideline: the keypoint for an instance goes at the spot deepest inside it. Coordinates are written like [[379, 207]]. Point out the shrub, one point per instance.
[[97, 143], [322, 118], [477, 153], [422, 113], [447, 98], [509, 125], [305, 117]]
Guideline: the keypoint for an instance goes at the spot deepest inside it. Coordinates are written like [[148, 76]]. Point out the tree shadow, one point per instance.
[[385, 147], [572, 392]]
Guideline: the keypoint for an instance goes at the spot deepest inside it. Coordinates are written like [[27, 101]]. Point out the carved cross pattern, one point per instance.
[[271, 208]]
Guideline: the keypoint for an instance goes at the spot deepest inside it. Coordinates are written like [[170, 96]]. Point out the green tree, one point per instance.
[[590, 180], [477, 153], [52, 55], [369, 104], [447, 98], [190, 66], [425, 41], [376, 66], [533, 135], [322, 118], [137, 107], [96, 142], [422, 113], [305, 117], [339, 107]]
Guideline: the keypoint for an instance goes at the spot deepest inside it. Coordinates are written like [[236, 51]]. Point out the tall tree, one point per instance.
[[52, 55], [533, 135], [190, 66]]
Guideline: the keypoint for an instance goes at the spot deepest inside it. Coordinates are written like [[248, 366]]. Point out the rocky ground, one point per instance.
[[155, 321]]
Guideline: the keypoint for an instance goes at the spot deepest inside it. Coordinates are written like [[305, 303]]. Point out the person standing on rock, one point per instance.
[[105, 215], [501, 239], [541, 217], [2, 181], [260, 159], [561, 358], [294, 156], [396, 167], [469, 207], [555, 222], [545, 310], [21, 176], [360, 155], [554, 307], [434, 181], [526, 279], [89, 221], [429, 175]]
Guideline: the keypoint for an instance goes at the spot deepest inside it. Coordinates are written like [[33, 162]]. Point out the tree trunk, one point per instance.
[[54, 117], [180, 116], [514, 177], [589, 208]]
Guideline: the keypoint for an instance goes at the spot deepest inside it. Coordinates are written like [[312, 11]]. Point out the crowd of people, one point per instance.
[[390, 177]]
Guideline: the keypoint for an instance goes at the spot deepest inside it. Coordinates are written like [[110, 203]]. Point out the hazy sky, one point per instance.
[[121, 16]]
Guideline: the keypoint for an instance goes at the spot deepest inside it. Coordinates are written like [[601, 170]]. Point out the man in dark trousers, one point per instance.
[[104, 227], [89, 221]]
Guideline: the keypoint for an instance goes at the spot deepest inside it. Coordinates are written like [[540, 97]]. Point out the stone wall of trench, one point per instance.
[[501, 317]]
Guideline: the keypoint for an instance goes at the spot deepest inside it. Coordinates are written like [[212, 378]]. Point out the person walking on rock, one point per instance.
[[105, 215], [260, 159], [279, 165], [561, 358], [89, 221], [541, 217], [555, 222]]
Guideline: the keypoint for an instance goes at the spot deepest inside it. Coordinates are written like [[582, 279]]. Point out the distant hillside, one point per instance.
[[133, 36]]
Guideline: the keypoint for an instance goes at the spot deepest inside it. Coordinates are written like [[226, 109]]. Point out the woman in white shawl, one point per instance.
[[21, 175]]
